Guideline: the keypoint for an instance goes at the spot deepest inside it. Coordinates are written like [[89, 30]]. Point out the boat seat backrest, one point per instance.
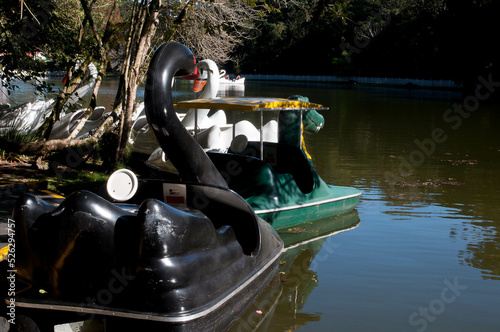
[[244, 173], [288, 159]]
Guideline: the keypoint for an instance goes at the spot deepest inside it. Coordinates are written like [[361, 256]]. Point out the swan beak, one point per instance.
[[198, 85], [194, 76]]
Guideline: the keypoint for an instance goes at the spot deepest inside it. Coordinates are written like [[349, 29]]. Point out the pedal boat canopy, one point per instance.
[[254, 104], [251, 104]]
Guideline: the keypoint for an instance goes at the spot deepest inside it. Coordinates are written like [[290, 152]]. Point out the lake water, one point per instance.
[[422, 250], [425, 255]]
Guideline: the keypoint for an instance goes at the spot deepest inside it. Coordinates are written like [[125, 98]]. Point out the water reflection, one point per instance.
[[280, 307], [483, 249], [228, 90]]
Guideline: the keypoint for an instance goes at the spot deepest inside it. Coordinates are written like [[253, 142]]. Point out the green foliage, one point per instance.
[[82, 179], [85, 176], [20, 40], [55, 28], [301, 32], [416, 38]]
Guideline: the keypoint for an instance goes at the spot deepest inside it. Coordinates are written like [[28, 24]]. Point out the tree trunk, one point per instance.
[[142, 29], [61, 99]]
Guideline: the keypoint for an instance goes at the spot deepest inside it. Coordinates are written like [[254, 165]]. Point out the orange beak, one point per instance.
[[198, 85]]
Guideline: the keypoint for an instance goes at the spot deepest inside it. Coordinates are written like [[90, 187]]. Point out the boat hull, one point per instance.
[[181, 269], [219, 317], [284, 195], [294, 215], [228, 81]]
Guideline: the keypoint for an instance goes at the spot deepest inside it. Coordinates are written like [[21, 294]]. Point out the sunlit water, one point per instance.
[[422, 251]]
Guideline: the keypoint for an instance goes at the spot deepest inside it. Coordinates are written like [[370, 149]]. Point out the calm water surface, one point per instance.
[[422, 250], [425, 255]]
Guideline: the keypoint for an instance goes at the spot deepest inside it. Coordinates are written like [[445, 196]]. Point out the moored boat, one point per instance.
[[226, 79], [27, 118], [276, 176], [194, 266], [142, 139]]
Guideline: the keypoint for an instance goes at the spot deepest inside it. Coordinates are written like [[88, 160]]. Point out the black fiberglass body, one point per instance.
[[193, 268]]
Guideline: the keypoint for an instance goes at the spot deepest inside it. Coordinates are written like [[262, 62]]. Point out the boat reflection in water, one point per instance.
[[227, 90], [279, 307]]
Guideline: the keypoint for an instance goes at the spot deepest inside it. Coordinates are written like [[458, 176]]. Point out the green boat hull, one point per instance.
[[291, 216], [285, 194]]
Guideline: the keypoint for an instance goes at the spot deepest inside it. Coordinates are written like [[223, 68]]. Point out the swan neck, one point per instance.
[[187, 156]]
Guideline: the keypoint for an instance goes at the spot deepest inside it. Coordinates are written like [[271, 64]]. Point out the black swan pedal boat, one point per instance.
[[194, 267]]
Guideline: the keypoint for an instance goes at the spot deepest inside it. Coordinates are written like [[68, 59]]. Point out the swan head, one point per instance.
[[209, 78]]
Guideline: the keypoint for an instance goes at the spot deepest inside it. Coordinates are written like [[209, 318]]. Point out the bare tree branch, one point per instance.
[[213, 29]]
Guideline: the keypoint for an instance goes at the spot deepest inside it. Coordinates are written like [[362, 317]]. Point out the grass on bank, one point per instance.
[[74, 180], [59, 178]]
